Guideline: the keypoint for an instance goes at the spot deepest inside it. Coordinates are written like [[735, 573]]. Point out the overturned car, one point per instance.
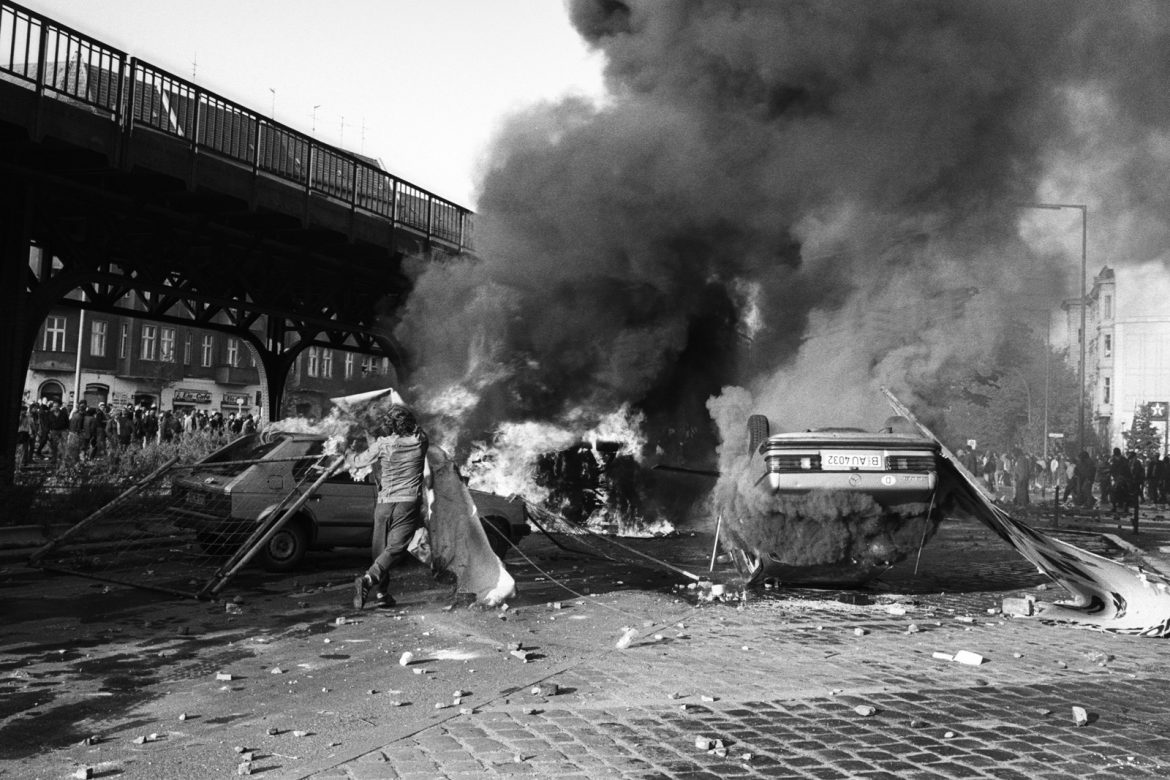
[[831, 506]]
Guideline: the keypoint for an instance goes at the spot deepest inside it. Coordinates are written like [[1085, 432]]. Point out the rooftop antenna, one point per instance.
[[363, 146], [194, 65]]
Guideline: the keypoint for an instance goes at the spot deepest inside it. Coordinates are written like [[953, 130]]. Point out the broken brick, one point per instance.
[[1017, 607]]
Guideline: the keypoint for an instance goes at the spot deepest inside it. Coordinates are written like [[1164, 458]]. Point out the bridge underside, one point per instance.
[[148, 227]]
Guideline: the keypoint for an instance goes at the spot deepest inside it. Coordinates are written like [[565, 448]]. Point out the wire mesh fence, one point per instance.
[[186, 529]]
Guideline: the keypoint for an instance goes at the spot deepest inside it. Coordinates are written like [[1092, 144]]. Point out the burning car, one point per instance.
[[831, 505], [223, 497]]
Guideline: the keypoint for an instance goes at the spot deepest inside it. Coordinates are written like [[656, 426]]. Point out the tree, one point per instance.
[[1143, 437], [1002, 402]]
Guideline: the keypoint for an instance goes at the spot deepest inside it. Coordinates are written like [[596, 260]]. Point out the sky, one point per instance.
[[421, 86]]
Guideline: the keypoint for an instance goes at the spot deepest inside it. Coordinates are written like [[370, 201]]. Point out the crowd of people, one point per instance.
[[1121, 481], [51, 431]]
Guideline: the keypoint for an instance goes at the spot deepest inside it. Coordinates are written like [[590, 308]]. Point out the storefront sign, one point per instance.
[[238, 399], [193, 396]]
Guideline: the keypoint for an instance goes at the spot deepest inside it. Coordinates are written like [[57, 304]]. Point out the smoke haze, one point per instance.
[[801, 200]]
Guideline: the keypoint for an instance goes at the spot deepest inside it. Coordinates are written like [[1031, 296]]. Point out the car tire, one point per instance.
[[287, 547], [499, 534], [758, 432]]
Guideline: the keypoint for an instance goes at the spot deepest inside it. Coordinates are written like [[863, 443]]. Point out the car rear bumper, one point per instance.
[[875, 483]]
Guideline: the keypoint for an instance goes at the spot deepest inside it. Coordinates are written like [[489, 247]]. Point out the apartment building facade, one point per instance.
[[128, 361], [1127, 351]]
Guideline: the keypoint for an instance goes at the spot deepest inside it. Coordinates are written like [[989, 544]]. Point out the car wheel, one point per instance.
[[757, 432], [287, 547], [499, 534]]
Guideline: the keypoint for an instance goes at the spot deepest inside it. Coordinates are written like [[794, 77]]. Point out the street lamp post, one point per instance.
[[1084, 209]]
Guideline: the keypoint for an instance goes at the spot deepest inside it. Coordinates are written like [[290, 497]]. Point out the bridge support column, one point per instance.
[[275, 362], [16, 337]]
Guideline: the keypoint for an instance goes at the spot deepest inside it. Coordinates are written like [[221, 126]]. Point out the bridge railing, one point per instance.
[[63, 64]]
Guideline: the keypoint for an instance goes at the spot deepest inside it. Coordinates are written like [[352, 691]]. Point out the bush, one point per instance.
[[77, 487]]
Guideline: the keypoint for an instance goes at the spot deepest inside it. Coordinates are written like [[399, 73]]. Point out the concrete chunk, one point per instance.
[[1018, 607], [1080, 716], [968, 658]]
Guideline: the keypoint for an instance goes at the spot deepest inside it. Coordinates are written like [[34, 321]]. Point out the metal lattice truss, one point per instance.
[[152, 261]]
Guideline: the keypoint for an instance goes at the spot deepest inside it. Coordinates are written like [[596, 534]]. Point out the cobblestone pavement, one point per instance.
[[784, 680], [806, 684]]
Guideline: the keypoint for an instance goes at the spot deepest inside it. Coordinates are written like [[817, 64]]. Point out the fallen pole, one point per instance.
[[715, 546], [578, 531]]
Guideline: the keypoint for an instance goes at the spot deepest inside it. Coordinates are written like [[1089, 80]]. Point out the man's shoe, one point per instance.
[[384, 600], [361, 589]]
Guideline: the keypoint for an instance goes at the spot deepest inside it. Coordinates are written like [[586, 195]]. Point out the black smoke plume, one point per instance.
[[802, 199]]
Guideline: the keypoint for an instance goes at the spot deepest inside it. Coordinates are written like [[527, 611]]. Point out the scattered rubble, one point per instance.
[[1080, 716], [865, 710], [626, 638]]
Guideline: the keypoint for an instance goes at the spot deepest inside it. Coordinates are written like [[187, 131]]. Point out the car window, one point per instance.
[[312, 457], [241, 451]]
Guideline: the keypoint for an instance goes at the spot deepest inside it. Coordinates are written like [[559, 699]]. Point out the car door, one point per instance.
[[344, 511]]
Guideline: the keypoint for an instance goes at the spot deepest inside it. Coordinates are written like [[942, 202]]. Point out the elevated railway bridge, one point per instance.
[[128, 190]]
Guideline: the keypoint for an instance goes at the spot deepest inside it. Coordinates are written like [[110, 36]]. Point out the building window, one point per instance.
[[97, 338], [54, 340], [327, 363], [233, 352], [1106, 390], [1107, 347], [167, 345], [314, 361], [348, 365], [385, 367], [124, 341], [207, 351], [1108, 306], [369, 366], [149, 349], [187, 350]]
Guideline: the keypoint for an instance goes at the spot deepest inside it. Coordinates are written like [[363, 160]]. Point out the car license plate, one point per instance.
[[848, 460], [196, 499]]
